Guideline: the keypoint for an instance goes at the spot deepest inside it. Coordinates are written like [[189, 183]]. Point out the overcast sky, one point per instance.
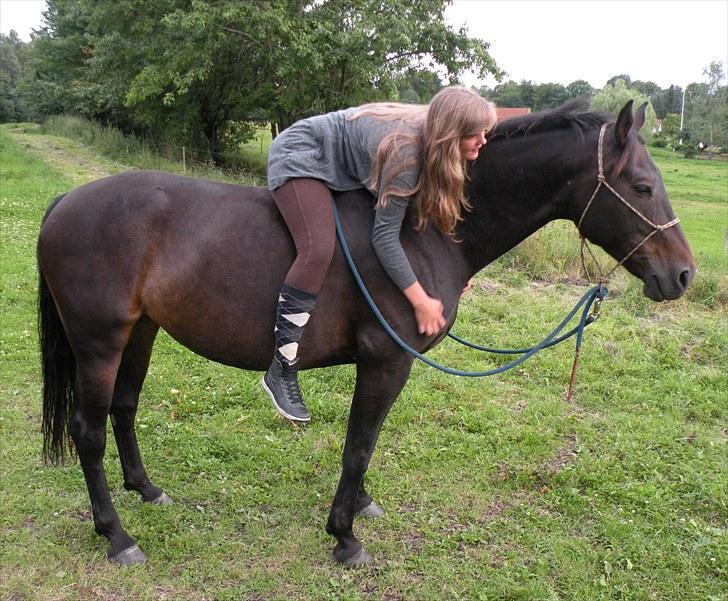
[[666, 41]]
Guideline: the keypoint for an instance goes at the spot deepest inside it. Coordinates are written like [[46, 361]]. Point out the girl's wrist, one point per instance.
[[416, 294]]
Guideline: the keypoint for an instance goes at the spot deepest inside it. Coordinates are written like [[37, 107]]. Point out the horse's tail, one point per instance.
[[58, 368]]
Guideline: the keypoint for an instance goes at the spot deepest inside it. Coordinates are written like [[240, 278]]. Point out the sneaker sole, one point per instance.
[[280, 411]]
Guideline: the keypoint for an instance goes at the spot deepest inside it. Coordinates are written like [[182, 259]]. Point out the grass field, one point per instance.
[[494, 489]]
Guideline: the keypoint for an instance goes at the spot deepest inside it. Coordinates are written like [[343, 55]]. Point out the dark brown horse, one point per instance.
[[121, 257]]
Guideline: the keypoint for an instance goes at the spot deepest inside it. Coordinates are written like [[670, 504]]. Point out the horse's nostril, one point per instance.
[[684, 278]]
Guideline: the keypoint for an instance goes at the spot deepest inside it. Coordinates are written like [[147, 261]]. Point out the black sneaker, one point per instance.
[[281, 384]]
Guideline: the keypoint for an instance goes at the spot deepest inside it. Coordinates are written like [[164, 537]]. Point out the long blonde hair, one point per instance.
[[436, 130]]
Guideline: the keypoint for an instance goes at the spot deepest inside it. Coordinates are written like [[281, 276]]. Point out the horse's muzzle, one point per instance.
[[669, 285]]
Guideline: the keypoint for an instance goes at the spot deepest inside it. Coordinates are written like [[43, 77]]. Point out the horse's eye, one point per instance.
[[644, 190]]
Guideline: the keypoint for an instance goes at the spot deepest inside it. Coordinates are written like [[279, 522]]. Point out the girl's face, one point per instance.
[[470, 145]]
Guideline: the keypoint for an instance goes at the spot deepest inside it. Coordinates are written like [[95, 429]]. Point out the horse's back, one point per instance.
[[202, 259], [126, 216]]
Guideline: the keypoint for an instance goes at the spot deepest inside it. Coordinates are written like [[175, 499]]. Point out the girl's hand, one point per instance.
[[430, 319], [467, 286], [428, 310]]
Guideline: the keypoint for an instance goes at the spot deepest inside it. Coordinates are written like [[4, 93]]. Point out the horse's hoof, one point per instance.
[[131, 556], [163, 499], [357, 560], [372, 511]]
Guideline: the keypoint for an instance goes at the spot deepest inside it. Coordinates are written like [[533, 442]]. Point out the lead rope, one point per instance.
[[591, 301], [592, 298], [604, 278]]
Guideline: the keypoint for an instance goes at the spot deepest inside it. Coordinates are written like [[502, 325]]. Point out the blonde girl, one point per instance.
[[402, 154]]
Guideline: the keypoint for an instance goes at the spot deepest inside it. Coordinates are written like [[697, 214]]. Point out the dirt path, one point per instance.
[[76, 161]]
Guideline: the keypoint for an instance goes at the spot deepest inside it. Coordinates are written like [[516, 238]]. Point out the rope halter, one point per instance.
[[602, 181]]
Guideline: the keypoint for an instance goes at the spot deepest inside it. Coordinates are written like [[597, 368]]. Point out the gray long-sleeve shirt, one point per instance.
[[339, 151]]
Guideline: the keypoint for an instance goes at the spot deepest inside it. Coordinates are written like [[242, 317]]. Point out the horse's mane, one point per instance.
[[572, 114]]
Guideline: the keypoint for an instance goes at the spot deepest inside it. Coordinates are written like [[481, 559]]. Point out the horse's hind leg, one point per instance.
[[95, 375], [129, 380]]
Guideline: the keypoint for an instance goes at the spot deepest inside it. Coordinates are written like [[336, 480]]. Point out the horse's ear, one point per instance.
[[623, 124], [639, 117]]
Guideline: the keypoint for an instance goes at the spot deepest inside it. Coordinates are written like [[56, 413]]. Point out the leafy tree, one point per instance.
[[303, 58], [706, 108], [667, 101], [613, 97], [624, 77], [580, 89], [671, 125], [646, 88], [196, 69], [670, 133], [548, 95], [418, 86], [12, 107], [55, 81], [511, 94], [527, 94]]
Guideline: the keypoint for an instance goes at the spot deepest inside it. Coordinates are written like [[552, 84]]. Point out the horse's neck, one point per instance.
[[516, 188]]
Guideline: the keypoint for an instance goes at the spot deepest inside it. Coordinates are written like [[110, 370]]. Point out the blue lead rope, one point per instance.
[[594, 295], [519, 351]]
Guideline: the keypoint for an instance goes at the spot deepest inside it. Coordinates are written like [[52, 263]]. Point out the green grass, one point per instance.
[[255, 151], [494, 489]]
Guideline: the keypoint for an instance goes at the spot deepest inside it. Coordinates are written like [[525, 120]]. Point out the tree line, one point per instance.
[[202, 73], [703, 120]]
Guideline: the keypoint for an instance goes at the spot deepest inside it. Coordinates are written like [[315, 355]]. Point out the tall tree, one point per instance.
[[613, 97], [706, 108], [12, 106], [648, 88], [580, 89], [548, 95], [667, 101], [196, 69], [418, 86], [511, 94], [295, 58], [56, 79], [624, 77]]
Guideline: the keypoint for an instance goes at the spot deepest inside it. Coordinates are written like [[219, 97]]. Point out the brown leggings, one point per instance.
[[305, 205]]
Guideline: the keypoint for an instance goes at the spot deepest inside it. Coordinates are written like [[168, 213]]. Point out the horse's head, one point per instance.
[[630, 216]]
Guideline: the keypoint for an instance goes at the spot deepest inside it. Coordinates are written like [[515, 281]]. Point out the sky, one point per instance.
[[559, 41]]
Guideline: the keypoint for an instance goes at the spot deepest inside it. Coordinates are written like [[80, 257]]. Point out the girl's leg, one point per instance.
[[305, 205]]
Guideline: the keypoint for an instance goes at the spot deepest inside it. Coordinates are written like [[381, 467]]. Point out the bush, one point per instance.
[[659, 142]]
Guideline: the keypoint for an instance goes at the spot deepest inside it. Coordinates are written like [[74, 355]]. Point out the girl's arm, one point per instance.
[[385, 239]]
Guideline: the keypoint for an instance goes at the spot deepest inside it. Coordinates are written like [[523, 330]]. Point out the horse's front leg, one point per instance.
[[378, 383]]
